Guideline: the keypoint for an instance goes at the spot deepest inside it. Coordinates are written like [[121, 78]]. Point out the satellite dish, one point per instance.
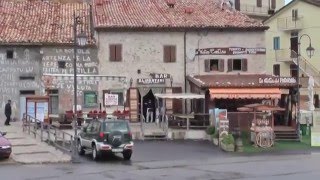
[[191, 53]]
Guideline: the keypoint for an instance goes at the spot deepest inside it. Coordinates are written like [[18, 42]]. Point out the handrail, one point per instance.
[[48, 133]]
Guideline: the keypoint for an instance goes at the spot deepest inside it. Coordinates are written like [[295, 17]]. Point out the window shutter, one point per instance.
[[173, 54], [118, 52], [221, 65], [296, 14], [259, 3], [237, 5], [273, 4], [244, 65], [166, 53], [207, 65], [229, 65], [112, 52]]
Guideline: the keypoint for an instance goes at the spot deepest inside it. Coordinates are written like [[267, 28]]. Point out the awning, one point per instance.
[[180, 96], [245, 93]]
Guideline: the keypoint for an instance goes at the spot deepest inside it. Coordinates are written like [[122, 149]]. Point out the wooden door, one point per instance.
[[134, 104]]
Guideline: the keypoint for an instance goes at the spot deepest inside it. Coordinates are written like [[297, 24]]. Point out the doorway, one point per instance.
[[149, 105], [23, 102], [294, 44]]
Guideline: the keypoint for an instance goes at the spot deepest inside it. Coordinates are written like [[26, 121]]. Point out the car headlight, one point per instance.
[[5, 147]]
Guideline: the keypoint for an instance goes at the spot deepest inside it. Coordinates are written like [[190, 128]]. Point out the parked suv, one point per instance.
[[106, 136]]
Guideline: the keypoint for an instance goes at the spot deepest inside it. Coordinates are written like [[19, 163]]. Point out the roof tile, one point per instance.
[[41, 22]]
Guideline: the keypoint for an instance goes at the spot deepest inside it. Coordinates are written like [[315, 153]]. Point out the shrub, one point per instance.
[[228, 139], [210, 130]]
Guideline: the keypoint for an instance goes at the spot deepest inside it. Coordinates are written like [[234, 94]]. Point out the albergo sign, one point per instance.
[[230, 51]]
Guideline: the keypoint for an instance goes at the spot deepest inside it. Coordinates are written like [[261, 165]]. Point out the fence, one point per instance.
[[48, 133]]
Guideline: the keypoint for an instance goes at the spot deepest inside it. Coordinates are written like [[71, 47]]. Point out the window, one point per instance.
[[115, 52], [276, 69], [237, 65], [273, 4], [9, 54], [26, 77], [214, 65], [293, 70], [259, 3], [276, 43], [90, 99], [27, 92], [169, 53], [53, 100], [294, 14]]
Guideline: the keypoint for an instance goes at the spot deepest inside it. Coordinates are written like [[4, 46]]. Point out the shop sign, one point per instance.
[[222, 122], [160, 76], [277, 80], [148, 81], [111, 99], [230, 51]]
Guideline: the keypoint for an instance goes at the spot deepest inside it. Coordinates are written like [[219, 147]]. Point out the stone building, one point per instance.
[[35, 37], [141, 39]]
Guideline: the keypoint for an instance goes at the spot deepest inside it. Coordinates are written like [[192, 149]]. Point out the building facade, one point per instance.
[[282, 42]]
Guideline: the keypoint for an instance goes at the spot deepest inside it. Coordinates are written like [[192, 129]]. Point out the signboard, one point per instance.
[[160, 76], [31, 109], [230, 51], [221, 121], [277, 80], [111, 99], [40, 112], [148, 81]]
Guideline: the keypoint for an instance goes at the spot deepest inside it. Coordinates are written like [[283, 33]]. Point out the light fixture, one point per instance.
[[310, 51]]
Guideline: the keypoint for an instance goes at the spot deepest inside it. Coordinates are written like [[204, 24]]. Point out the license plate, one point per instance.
[[117, 150]]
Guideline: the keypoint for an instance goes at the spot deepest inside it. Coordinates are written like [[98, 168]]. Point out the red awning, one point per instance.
[[245, 93]]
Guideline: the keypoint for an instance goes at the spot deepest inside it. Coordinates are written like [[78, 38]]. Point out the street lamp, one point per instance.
[[79, 40], [310, 52]]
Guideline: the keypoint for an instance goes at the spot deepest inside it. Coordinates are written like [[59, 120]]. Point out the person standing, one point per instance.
[[7, 112]]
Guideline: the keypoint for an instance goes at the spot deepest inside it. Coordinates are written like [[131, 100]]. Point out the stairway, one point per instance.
[[151, 131], [286, 134]]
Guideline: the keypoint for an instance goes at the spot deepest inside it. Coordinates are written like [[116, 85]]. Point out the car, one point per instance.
[[5, 146], [105, 136]]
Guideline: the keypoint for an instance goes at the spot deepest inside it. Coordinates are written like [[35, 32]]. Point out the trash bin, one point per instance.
[[303, 128]]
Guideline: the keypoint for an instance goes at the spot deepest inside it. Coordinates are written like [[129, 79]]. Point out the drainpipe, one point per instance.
[[185, 67]]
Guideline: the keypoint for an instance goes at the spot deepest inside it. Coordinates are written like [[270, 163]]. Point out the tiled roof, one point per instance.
[[157, 14], [30, 22], [236, 80], [314, 2]]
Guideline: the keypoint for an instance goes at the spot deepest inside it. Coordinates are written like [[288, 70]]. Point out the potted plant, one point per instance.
[[210, 131], [227, 143]]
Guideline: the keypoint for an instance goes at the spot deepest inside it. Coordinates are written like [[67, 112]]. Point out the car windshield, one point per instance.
[[115, 126]]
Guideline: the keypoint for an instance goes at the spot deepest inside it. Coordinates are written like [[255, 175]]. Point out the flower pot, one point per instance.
[[227, 147]]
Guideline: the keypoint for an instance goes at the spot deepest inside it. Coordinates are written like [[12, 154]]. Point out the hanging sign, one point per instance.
[[230, 51], [160, 76], [148, 81], [111, 99]]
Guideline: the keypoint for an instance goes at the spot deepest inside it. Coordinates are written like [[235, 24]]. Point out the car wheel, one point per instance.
[[80, 149], [95, 156], [127, 155]]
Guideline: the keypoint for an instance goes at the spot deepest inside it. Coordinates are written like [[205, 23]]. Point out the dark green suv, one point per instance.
[[106, 137]]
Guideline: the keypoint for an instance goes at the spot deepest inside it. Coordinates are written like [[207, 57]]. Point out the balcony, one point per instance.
[[285, 55], [290, 23], [254, 10]]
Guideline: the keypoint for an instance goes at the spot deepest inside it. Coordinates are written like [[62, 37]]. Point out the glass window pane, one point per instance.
[[90, 99]]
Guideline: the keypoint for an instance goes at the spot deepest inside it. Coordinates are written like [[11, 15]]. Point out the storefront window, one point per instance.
[[90, 99]]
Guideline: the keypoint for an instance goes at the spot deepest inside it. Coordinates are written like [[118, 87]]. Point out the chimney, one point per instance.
[[171, 3], [189, 10]]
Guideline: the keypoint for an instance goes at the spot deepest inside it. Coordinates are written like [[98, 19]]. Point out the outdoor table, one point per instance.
[[185, 116]]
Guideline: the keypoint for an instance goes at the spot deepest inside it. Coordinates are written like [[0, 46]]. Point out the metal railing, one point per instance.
[[290, 23], [252, 9], [48, 133], [284, 55]]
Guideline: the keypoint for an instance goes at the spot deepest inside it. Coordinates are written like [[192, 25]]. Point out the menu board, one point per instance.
[[221, 121]]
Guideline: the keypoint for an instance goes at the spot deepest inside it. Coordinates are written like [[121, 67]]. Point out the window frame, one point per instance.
[[233, 64], [276, 43], [85, 104], [10, 53], [244, 65], [276, 70]]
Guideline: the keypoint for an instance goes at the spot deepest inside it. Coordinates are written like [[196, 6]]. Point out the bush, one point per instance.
[[228, 139], [210, 130]]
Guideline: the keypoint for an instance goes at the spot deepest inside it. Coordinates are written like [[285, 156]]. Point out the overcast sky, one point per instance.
[[287, 1]]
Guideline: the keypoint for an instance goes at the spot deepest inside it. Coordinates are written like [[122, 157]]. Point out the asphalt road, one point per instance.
[[173, 160]]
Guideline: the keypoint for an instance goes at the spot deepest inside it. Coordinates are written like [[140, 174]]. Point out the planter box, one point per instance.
[[227, 147], [216, 141]]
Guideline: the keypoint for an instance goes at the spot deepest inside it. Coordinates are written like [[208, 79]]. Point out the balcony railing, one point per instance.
[[254, 10], [285, 55], [290, 23]]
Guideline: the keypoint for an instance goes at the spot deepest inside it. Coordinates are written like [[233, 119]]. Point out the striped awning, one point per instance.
[[245, 93], [180, 96]]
